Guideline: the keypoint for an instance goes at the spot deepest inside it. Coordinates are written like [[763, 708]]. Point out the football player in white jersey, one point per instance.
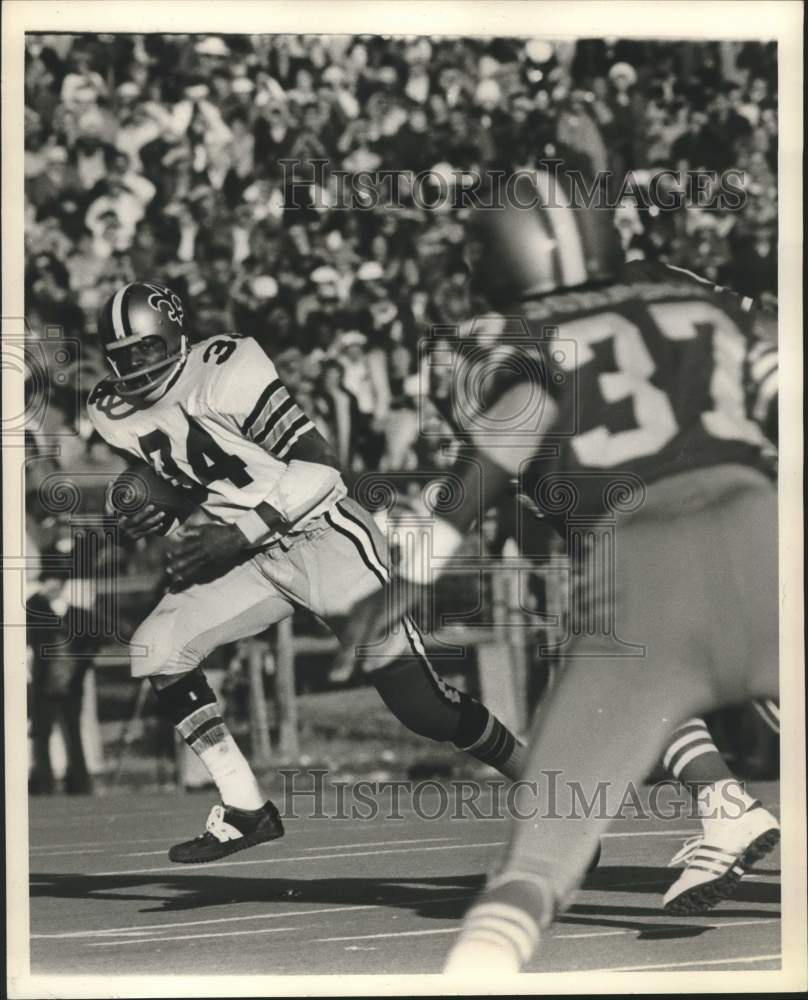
[[215, 421]]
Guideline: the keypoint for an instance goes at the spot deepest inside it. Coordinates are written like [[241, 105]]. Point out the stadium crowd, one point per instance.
[[161, 155]]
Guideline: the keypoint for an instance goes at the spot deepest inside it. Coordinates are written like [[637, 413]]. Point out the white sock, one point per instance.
[[725, 799], [233, 775]]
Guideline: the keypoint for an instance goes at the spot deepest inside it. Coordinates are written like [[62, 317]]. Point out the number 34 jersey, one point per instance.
[[648, 380], [223, 431]]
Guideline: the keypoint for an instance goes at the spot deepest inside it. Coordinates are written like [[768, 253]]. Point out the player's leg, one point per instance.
[[351, 564], [735, 826], [585, 762], [169, 648], [684, 590], [744, 636], [424, 702]]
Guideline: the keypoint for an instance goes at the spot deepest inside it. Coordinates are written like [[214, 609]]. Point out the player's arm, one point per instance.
[[485, 466], [269, 416], [251, 397], [249, 394]]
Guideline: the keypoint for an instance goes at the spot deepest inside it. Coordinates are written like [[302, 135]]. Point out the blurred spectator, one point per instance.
[[336, 413], [60, 648]]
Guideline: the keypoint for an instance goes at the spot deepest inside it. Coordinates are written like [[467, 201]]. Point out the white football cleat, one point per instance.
[[716, 861]]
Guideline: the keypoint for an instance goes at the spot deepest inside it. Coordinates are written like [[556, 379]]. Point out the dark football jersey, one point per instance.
[[648, 377]]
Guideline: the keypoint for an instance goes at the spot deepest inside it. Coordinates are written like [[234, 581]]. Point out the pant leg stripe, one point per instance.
[[364, 528], [358, 546], [362, 533], [338, 523], [446, 691]]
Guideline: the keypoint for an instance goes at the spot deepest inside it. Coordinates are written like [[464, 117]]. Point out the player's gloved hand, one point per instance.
[[200, 550]]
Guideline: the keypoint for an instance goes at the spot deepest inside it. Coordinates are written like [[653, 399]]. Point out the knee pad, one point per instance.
[[185, 696]]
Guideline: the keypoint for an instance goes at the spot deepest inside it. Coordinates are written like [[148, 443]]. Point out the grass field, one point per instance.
[[351, 896]]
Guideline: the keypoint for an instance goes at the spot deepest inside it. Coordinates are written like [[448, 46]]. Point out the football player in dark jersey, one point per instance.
[[736, 828], [620, 407]]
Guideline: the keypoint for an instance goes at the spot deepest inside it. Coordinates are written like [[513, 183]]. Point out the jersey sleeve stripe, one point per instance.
[[285, 438], [304, 429], [274, 418], [259, 407]]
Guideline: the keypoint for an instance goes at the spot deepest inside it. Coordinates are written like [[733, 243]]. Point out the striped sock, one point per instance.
[[501, 932], [693, 758], [769, 711], [498, 747], [193, 707], [206, 733]]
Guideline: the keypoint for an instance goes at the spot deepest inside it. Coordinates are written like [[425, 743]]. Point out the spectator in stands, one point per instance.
[[160, 155], [60, 647]]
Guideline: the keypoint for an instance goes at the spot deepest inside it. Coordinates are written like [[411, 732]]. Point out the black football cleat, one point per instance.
[[229, 830]]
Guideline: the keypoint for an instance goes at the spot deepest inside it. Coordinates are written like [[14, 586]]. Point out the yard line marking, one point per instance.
[[51, 850], [631, 885], [189, 937], [382, 843], [594, 934], [329, 847], [387, 934], [322, 857], [64, 854], [652, 833], [633, 930], [696, 962], [267, 930], [145, 928], [215, 865], [96, 843], [455, 930]]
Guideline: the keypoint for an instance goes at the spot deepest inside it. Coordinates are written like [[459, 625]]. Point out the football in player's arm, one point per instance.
[[240, 393]]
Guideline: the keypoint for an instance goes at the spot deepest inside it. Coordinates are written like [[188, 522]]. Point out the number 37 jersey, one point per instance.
[[224, 430], [647, 380]]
